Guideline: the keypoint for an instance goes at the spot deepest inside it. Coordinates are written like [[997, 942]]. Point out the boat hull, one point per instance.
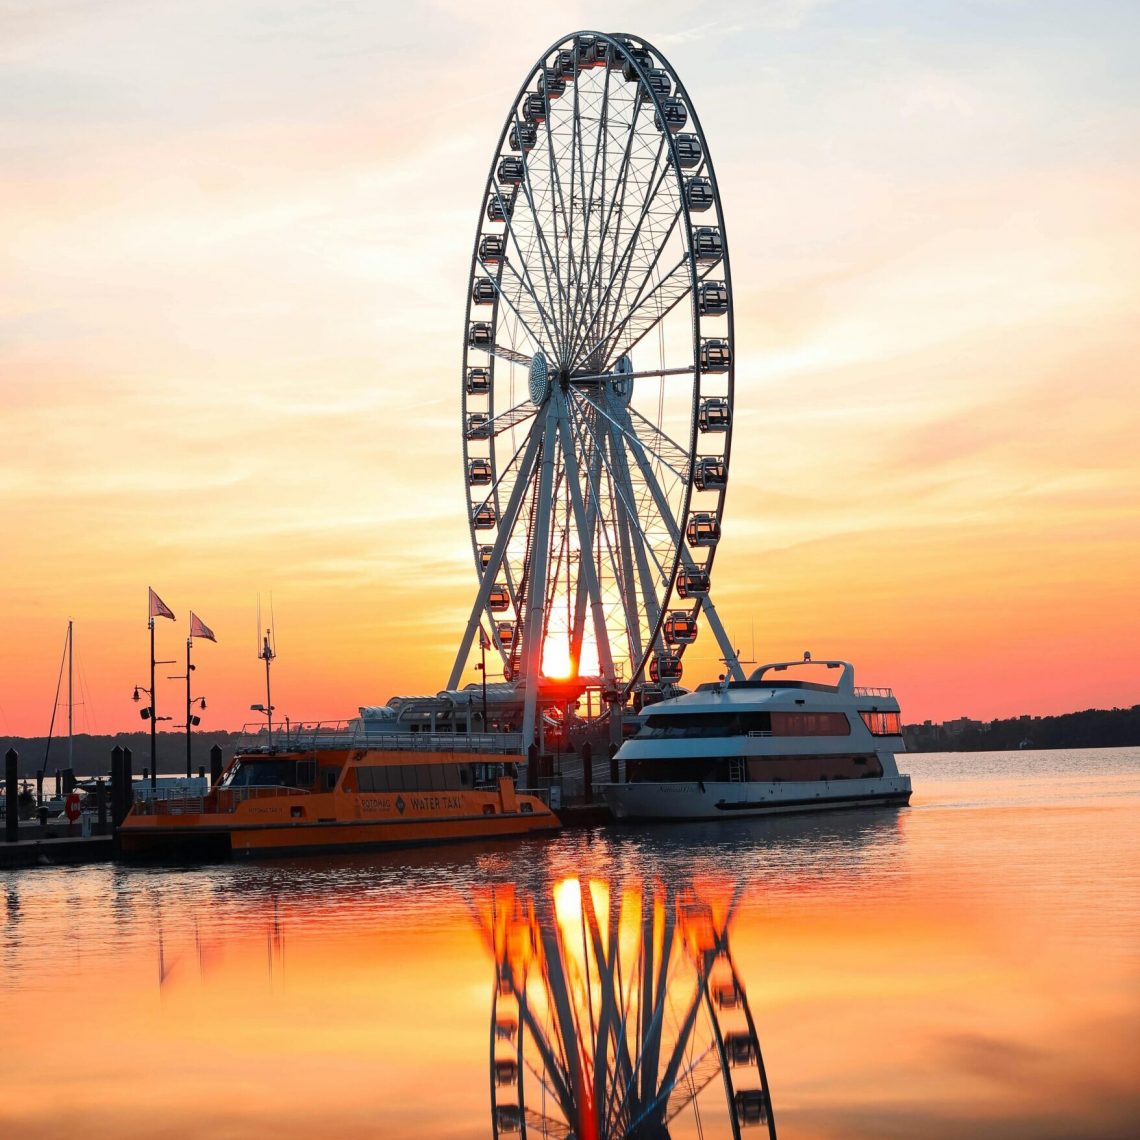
[[201, 837], [706, 800]]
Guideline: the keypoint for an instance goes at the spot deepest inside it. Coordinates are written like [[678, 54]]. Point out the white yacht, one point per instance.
[[768, 744]]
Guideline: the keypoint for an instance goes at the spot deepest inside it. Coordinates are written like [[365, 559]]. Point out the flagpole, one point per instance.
[[153, 715], [189, 667]]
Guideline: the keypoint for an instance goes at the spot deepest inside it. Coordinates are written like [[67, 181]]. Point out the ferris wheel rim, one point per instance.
[[621, 44]]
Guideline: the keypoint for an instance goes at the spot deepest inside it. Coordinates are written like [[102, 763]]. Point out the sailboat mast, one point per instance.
[[70, 700]]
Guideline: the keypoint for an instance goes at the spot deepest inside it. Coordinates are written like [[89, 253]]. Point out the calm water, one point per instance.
[[969, 966]]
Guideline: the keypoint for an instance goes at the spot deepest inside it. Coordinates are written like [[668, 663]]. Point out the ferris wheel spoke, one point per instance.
[[505, 352], [504, 421], [621, 267], [585, 353], [616, 205], [642, 333], [528, 285], [679, 456], [593, 215], [596, 327], [548, 261], [510, 302]]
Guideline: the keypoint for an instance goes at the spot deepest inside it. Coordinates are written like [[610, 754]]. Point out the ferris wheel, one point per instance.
[[597, 374], [618, 1012]]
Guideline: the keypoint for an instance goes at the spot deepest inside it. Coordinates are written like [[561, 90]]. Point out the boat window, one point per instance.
[[712, 769], [810, 724], [681, 726], [883, 723], [269, 773], [328, 778]]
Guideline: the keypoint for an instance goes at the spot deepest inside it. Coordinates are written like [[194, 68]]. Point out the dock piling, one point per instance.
[[11, 797]]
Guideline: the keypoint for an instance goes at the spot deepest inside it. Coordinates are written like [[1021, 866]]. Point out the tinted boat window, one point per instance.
[[263, 774]]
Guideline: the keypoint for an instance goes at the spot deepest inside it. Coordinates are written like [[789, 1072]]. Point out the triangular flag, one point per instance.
[[198, 628], [484, 640], [158, 608]]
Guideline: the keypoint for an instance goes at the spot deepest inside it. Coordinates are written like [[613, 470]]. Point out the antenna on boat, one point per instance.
[[266, 652]]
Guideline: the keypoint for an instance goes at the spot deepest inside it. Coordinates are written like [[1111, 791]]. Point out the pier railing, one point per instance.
[[333, 735]]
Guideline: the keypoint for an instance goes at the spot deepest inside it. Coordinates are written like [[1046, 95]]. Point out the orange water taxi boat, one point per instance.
[[326, 788]]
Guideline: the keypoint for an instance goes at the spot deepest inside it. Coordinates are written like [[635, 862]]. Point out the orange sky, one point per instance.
[[232, 277]]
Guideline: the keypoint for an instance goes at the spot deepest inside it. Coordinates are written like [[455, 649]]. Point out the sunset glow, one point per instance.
[[235, 255]]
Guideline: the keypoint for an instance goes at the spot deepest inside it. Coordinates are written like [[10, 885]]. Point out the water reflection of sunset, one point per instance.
[[960, 968]]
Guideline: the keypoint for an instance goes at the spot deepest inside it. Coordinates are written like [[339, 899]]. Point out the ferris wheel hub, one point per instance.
[[538, 378]]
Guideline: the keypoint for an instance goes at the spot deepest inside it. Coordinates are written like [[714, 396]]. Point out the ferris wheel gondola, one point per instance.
[[597, 371]]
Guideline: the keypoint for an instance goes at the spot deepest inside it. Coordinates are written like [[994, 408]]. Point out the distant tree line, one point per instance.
[[92, 754], [1093, 728]]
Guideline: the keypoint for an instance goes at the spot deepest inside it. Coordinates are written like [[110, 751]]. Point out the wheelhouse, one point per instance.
[[478, 472], [680, 628], [710, 473], [703, 529], [714, 414]]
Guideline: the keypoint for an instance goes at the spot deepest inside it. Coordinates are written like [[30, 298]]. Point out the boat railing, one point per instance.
[[760, 732], [218, 801], [866, 692], [332, 735]]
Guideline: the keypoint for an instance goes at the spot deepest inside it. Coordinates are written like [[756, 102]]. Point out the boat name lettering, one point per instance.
[[434, 803], [373, 803]]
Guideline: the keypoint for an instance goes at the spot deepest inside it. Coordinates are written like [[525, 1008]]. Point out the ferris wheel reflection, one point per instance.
[[618, 1011]]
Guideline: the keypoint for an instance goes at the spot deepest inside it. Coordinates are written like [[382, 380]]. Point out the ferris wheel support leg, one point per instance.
[[536, 587], [648, 591], [579, 629], [505, 526], [732, 662], [589, 571]]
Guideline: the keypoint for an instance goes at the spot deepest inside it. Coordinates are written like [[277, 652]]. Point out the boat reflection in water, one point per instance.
[[618, 1012]]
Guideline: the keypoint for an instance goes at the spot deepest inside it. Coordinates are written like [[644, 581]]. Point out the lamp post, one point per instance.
[[191, 701], [148, 713], [482, 668]]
